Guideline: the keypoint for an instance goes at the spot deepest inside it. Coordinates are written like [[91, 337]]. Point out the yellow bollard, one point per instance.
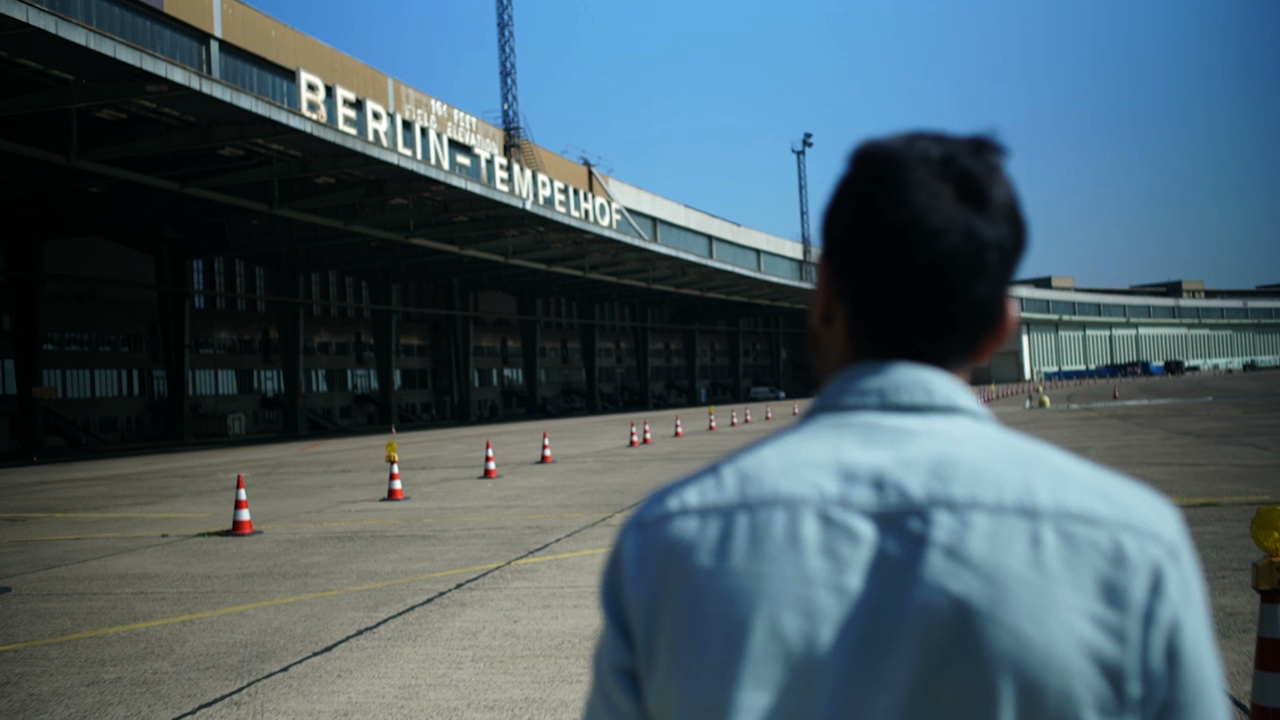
[[1044, 401], [1265, 531]]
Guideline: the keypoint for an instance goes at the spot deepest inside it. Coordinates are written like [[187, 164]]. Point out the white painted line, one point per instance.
[[1137, 403]]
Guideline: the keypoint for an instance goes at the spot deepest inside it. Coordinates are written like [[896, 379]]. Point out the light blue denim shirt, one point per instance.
[[898, 553]]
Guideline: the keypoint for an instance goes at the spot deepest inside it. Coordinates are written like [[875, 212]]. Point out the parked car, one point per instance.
[[765, 392]]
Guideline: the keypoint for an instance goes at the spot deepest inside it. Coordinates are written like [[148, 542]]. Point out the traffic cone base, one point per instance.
[[241, 523]]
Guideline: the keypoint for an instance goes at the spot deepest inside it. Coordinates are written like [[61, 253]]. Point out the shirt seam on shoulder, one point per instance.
[[822, 506]]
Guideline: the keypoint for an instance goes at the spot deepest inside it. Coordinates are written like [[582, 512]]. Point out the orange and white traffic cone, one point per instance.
[[648, 436], [768, 413], [795, 409], [747, 420], [1266, 660], [241, 523], [490, 465], [679, 428], [711, 422], [635, 441], [546, 458], [733, 417], [395, 491]]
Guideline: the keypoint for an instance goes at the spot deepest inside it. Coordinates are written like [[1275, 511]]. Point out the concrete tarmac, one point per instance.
[[475, 598]]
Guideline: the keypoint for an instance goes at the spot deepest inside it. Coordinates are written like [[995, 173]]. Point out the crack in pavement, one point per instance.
[[394, 616]]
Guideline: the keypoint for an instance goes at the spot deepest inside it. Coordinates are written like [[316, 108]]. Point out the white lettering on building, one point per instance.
[[485, 157], [523, 181], [398, 127], [345, 101], [501, 175], [418, 115], [311, 95], [544, 188], [375, 122], [558, 194]]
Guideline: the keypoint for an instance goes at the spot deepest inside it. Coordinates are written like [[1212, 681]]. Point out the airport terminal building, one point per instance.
[[218, 226]]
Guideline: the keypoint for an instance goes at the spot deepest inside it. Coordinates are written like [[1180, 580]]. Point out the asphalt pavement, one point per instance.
[[475, 598]]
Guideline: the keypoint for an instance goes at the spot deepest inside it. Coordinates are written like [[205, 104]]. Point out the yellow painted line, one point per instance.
[[1229, 500], [154, 534], [339, 523], [276, 526], [287, 600], [106, 515]]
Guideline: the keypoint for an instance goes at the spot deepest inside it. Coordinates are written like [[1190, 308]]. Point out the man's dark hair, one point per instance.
[[921, 238]]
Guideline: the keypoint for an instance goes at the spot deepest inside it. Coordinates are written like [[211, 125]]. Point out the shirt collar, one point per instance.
[[898, 385]]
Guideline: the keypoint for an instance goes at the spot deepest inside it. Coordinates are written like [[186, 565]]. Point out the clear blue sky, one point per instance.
[[1144, 135]]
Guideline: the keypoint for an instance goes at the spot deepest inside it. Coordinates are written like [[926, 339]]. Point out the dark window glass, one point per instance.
[[1236, 313], [258, 76], [1211, 313], [780, 266], [1139, 311], [646, 223], [683, 239], [734, 254], [1061, 307], [1030, 305], [1187, 312], [136, 26], [1088, 309], [1161, 311], [1260, 313], [1113, 310]]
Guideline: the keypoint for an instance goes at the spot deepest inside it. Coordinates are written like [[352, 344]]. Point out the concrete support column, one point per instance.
[[462, 340], [591, 358], [26, 260], [735, 347], [386, 333], [174, 306], [641, 339], [775, 353], [530, 341], [291, 331], [691, 364]]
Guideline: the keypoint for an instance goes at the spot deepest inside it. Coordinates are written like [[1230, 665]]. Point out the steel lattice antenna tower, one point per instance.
[[806, 268], [507, 77]]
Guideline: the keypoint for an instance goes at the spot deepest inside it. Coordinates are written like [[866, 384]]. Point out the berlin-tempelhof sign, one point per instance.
[[418, 136]]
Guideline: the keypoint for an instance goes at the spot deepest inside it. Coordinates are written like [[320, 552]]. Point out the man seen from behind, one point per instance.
[[898, 553]]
